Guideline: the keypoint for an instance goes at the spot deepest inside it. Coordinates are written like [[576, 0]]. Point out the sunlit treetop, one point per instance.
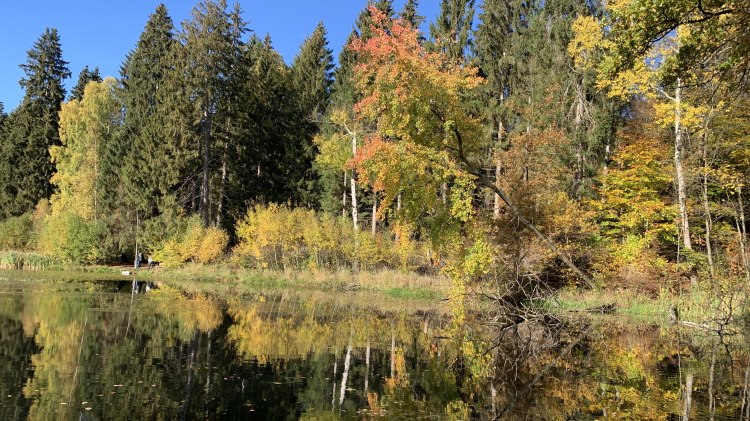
[[413, 96]]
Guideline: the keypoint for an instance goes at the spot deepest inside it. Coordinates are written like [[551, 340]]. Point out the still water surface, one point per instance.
[[90, 350]]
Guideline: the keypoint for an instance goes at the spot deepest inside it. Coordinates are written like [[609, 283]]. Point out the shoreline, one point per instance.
[[227, 280]]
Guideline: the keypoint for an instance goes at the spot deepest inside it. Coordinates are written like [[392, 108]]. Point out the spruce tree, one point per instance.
[[84, 78], [148, 148], [210, 49], [311, 81], [34, 128], [410, 13], [451, 32], [311, 73]]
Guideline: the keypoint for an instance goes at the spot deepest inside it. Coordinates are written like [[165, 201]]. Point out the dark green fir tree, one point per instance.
[[84, 78]]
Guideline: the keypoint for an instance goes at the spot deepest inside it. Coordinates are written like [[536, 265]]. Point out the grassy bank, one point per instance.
[[226, 278], [232, 279], [704, 304]]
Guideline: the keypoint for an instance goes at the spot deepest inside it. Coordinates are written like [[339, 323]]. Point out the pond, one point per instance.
[[100, 349]]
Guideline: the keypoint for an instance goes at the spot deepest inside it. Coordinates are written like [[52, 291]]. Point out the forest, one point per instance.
[[525, 143]]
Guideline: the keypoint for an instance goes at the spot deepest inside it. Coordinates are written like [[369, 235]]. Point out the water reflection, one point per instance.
[[95, 350]]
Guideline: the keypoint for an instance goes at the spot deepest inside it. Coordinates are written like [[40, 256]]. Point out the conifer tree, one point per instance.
[[451, 32], [34, 127], [209, 48], [311, 73], [501, 52], [410, 13], [84, 78], [148, 147], [312, 81]]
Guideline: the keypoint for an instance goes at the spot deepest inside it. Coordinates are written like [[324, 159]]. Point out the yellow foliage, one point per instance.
[[212, 246], [588, 38], [84, 126], [197, 244], [277, 237]]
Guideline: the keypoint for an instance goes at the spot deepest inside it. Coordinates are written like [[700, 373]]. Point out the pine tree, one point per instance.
[[84, 78], [364, 20], [34, 127]]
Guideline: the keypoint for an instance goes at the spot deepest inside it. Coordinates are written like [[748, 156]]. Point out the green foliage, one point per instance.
[[451, 33], [151, 160], [26, 167], [84, 78], [70, 238], [17, 233], [632, 192]]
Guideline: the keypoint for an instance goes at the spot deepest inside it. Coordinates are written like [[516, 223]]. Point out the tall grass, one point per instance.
[[17, 260]]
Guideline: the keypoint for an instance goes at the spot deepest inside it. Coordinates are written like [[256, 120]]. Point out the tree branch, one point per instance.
[[472, 169]]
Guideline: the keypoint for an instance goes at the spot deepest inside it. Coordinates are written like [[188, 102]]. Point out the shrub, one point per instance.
[[277, 237], [189, 242], [71, 239], [212, 246], [17, 233]]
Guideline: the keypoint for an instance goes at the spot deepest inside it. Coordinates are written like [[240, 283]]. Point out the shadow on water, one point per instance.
[[106, 350]]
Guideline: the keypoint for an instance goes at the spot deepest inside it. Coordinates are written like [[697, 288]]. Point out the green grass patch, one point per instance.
[[413, 293]]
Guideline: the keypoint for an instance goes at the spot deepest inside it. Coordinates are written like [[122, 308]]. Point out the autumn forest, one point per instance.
[[554, 143]]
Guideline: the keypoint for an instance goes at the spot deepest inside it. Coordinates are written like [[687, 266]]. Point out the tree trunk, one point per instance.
[[335, 371], [498, 165], [742, 233], [580, 160], [343, 198], [347, 362], [222, 186], [711, 394], [706, 209], [393, 350], [205, 200], [374, 224], [367, 367], [688, 397], [680, 174], [354, 187]]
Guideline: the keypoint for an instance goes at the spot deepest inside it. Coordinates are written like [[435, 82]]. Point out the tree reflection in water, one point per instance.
[[94, 352]]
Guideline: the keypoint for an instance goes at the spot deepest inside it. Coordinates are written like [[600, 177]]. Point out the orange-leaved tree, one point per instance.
[[425, 137]]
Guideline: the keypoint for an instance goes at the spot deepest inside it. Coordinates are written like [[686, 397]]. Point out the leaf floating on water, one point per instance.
[[84, 402], [63, 403], [118, 385], [88, 408]]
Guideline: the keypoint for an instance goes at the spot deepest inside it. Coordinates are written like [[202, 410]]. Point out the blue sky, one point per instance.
[[101, 33]]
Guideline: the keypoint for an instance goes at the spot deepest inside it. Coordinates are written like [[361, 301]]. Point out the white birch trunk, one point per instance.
[[680, 173]]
